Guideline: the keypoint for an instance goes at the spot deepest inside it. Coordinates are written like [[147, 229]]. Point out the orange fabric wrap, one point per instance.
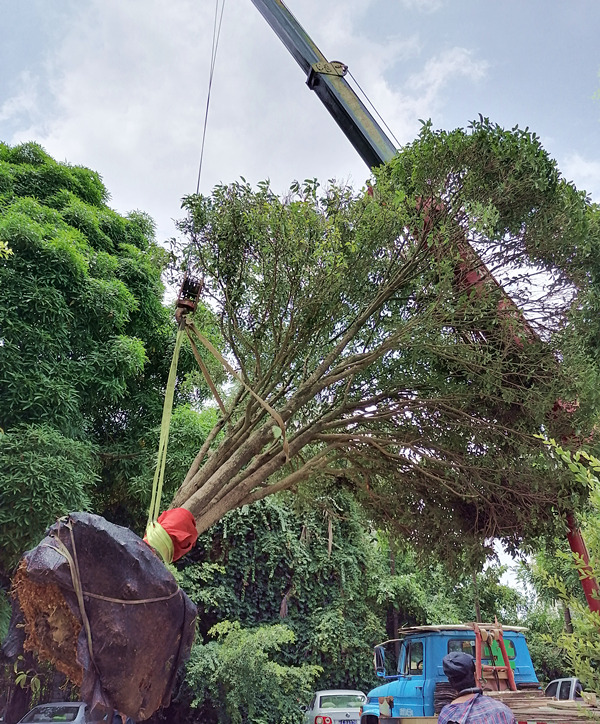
[[181, 527]]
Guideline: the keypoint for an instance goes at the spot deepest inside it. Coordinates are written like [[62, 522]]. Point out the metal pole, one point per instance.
[[588, 582]]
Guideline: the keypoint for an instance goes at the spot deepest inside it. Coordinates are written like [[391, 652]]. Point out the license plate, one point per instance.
[[348, 721]]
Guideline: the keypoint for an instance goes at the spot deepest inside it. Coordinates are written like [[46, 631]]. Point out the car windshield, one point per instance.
[[55, 713], [340, 701]]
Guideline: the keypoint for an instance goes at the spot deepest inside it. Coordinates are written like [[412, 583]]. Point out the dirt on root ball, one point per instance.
[[51, 629]]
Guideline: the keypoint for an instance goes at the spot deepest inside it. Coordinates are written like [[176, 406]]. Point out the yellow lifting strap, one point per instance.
[[156, 535]]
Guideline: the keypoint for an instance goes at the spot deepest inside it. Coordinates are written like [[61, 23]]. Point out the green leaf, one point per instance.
[[21, 680]]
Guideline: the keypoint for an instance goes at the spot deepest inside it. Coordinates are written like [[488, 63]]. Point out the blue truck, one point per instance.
[[418, 689]]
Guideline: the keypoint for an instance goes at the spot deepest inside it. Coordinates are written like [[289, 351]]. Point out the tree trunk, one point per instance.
[[568, 622], [18, 704], [395, 610], [59, 688], [476, 598]]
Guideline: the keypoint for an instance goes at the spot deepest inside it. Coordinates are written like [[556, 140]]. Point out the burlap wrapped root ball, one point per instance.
[[99, 604]]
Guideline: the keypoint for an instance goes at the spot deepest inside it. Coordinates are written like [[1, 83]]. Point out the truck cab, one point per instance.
[[418, 689], [562, 689]]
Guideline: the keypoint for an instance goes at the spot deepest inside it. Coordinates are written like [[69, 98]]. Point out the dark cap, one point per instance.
[[458, 666]]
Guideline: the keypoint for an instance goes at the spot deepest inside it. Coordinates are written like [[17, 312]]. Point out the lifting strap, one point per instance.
[[156, 535]]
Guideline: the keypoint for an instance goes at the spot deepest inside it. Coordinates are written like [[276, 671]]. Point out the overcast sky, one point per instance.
[[120, 86]]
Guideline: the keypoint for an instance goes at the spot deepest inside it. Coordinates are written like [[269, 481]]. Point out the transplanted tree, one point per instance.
[[394, 360]]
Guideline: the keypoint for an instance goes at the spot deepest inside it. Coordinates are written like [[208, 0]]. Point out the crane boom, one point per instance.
[[327, 80]]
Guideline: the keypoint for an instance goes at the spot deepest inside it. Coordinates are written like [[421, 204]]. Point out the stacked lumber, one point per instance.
[[533, 706]]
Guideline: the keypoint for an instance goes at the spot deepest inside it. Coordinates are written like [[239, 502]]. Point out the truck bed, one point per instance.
[[533, 706], [529, 707]]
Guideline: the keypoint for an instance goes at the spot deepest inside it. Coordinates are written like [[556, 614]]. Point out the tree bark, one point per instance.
[[568, 622], [476, 598]]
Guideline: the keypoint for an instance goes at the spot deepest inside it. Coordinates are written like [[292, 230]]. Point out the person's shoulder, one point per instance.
[[450, 712], [447, 708], [445, 714]]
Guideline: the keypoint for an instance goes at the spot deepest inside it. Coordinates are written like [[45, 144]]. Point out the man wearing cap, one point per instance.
[[470, 706]]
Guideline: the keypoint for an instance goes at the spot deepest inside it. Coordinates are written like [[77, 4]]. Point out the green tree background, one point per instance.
[[322, 573], [85, 343]]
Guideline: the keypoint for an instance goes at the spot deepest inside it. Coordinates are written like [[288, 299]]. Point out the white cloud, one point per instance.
[[126, 92], [128, 81], [24, 102], [425, 6], [452, 63], [585, 173]]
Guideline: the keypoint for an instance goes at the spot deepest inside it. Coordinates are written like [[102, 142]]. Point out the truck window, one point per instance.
[[493, 656], [414, 659], [464, 645], [551, 689], [565, 689]]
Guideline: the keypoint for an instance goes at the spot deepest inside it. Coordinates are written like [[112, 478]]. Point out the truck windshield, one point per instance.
[[411, 659]]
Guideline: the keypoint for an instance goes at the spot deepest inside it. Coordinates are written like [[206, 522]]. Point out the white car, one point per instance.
[[335, 706], [60, 711], [76, 712], [569, 688]]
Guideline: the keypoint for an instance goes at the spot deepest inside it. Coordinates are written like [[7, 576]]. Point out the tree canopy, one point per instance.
[[400, 368], [84, 345], [81, 300]]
